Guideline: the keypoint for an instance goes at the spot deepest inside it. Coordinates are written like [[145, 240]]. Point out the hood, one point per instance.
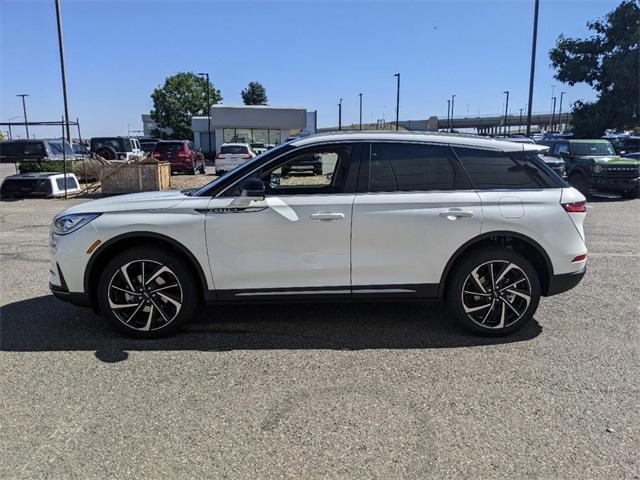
[[612, 160], [134, 201]]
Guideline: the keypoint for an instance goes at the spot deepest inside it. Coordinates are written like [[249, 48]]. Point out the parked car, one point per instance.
[[46, 149], [311, 164], [232, 155], [116, 148], [259, 148], [38, 184], [485, 225], [182, 154], [592, 165], [625, 145], [80, 150], [148, 147]]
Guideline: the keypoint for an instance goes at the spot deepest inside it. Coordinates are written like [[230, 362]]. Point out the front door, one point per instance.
[[296, 241]]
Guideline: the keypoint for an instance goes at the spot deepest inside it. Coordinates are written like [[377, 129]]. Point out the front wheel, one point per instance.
[[494, 292], [147, 292]]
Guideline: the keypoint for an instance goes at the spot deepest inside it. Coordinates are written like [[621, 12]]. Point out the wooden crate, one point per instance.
[[138, 177]]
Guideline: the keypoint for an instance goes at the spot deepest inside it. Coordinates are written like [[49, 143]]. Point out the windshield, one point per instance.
[[276, 151], [591, 148]]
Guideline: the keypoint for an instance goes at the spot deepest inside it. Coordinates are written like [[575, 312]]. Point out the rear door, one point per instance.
[[416, 209]]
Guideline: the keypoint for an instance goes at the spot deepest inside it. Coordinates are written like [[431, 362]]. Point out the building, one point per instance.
[[252, 124]]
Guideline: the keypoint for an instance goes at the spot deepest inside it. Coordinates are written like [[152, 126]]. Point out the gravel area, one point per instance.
[[367, 390]]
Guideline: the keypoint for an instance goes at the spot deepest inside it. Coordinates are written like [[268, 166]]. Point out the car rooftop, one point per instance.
[[435, 137]]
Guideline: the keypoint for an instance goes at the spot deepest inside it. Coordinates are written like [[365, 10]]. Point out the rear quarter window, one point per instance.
[[492, 170]]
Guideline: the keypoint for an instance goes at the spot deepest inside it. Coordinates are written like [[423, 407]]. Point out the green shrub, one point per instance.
[[56, 166]]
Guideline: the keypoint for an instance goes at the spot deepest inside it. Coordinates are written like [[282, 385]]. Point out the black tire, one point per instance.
[[153, 313], [220, 172], [633, 193], [108, 153], [467, 300], [203, 169], [580, 182]]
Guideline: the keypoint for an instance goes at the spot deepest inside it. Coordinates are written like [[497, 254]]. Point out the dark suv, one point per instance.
[[116, 148], [182, 154], [594, 165], [15, 151]]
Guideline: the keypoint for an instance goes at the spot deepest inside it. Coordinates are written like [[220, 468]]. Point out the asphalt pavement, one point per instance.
[[362, 390]]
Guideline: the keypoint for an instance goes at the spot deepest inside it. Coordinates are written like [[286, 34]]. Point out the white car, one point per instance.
[[484, 225], [232, 155]]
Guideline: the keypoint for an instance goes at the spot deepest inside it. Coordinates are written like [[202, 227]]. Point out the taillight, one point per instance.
[[248, 156], [575, 207], [219, 156]]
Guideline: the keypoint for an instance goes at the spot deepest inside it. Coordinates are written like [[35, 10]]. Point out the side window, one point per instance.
[[560, 148], [490, 169], [315, 170], [406, 167]]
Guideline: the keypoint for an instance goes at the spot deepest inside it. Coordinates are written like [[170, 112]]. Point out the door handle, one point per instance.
[[323, 217], [453, 214]]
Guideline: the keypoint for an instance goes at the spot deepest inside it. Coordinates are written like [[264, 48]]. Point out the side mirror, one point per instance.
[[252, 190]]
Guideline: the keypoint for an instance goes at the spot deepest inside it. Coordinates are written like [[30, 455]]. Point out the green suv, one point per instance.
[[592, 165]]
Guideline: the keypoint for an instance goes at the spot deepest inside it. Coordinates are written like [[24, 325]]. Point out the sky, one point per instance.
[[305, 53]]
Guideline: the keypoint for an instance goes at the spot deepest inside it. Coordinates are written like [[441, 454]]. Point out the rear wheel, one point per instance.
[[147, 293], [494, 292], [108, 153], [580, 182]]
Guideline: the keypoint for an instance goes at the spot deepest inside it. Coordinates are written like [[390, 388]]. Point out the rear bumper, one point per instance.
[[80, 299], [565, 281]]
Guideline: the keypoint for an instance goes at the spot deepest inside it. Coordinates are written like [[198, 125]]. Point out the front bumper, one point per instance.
[[564, 282], [618, 184], [80, 299]]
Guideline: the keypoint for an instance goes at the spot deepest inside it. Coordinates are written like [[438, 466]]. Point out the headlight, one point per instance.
[[70, 223], [597, 169]]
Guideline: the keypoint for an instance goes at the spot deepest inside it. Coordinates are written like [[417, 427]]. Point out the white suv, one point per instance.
[[484, 225]]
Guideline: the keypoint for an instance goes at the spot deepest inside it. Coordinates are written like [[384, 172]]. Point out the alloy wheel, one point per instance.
[[496, 294], [145, 295]]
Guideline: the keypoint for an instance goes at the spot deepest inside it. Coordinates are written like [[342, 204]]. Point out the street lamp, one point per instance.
[[533, 63], [560, 110], [340, 115], [62, 69], [449, 114], [506, 113], [397, 100], [553, 113], [24, 111], [453, 101], [360, 95], [208, 110]]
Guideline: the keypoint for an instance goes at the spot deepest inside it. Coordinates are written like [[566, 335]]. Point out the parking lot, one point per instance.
[[389, 390]]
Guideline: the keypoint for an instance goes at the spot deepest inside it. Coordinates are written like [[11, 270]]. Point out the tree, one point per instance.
[[254, 94], [608, 62], [183, 95]]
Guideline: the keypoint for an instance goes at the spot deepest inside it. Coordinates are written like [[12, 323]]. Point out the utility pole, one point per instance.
[[360, 95], [560, 110], [453, 99], [506, 113], [397, 101], [208, 110], [520, 122], [534, 42], [24, 111], [553, 114], [340, 115], [449, 114], [62, 70]]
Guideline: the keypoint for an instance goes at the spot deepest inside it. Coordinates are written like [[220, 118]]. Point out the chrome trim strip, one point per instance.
[[292, 292], [385, 290]]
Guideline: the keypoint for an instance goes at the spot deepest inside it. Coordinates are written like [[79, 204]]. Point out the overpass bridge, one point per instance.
[[491, 124]]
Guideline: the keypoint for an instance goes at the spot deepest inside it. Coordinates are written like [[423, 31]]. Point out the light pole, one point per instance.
[[553, 113], [520, 122], [62, 70], [340, 115], [533, 63], [397, 100], [506, 113], [360, 95], [560, 110], [453, 100], [449, 114], [208, 109], [24, 111]]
